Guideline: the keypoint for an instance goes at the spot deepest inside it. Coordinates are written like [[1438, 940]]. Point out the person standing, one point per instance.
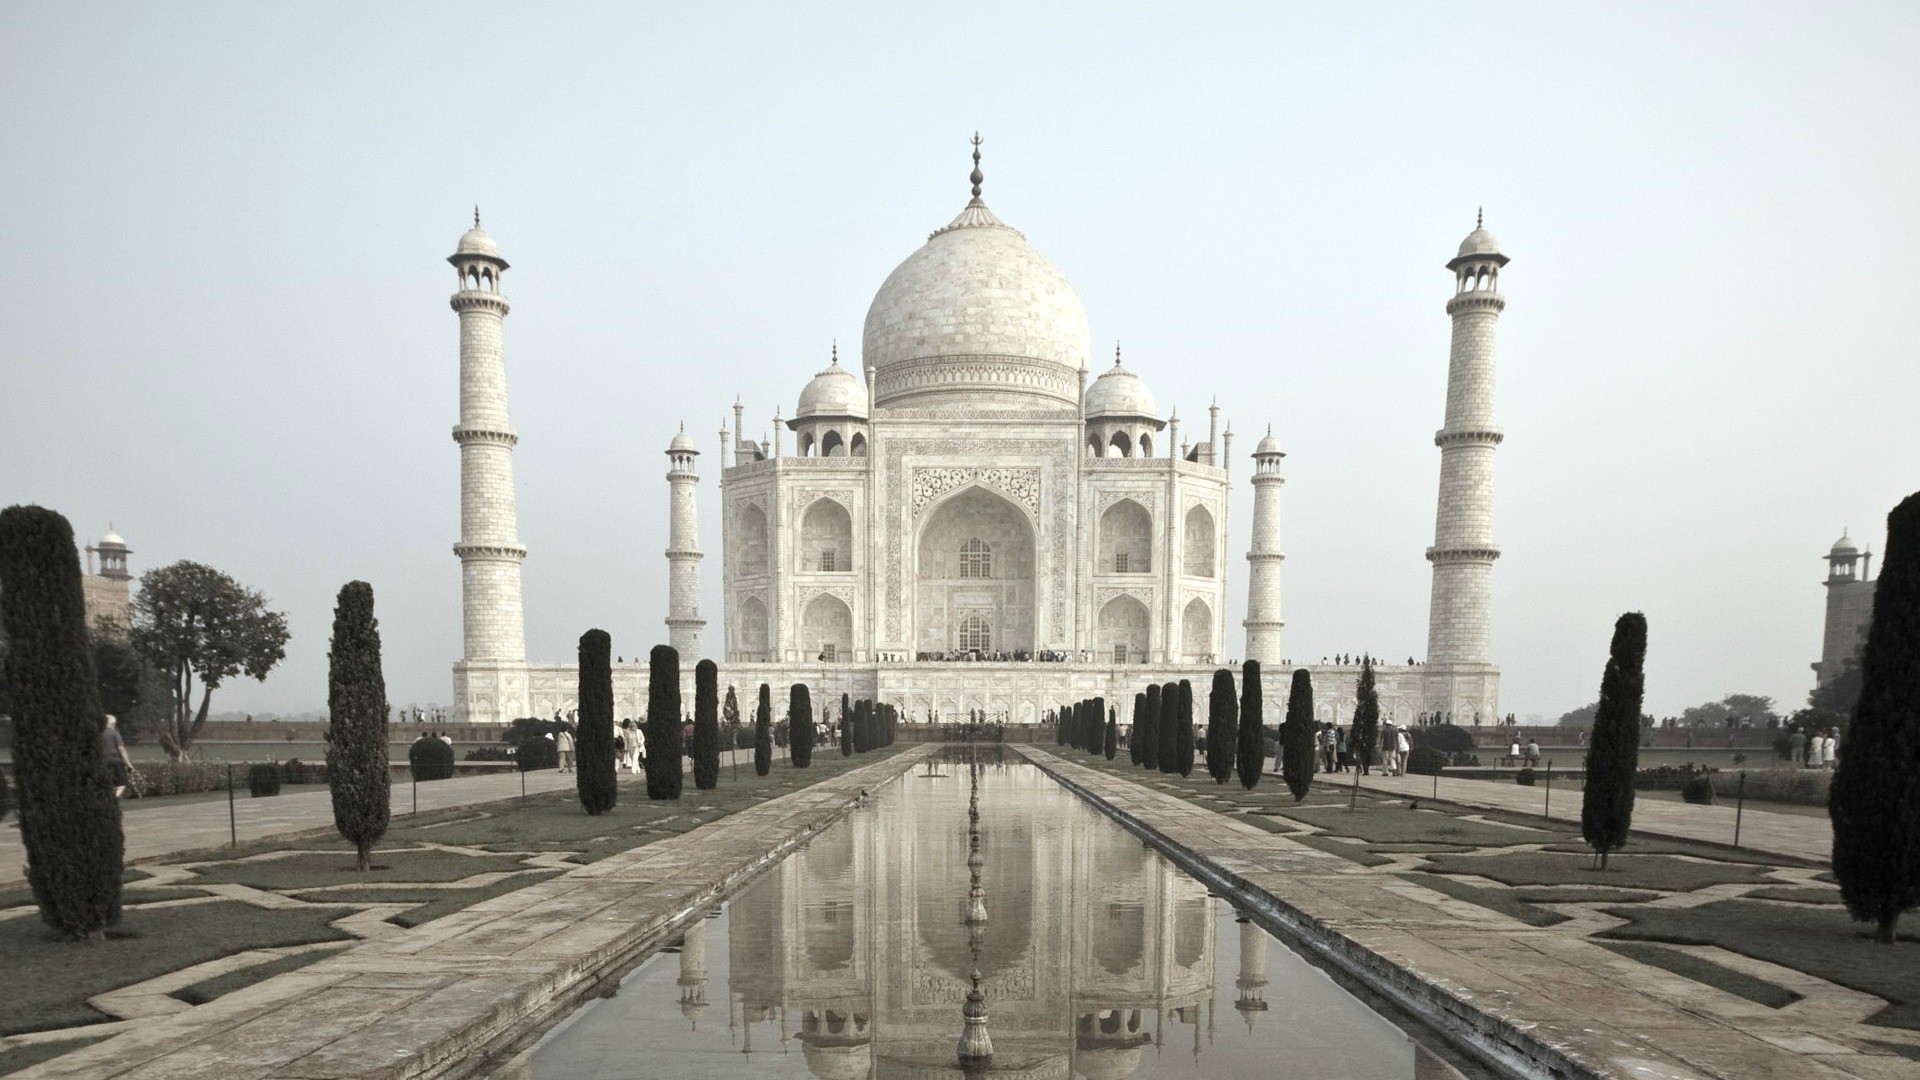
[[1830, 748], [1405, 749], [563, 748], [1797, 743], [113, 750], [1815, 746]]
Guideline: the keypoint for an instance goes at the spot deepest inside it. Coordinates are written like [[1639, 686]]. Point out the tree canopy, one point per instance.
[[195, 623]]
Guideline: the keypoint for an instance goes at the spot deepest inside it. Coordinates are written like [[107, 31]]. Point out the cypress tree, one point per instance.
[[1146, 729], [706, 725], [1060, 727], [800, 726], [1223, 727], [846, 730], [69, 819], [763, 732], [1875, 799], [1184, 745], [1366, 719], [1110, 745], [1136, 727], [846, 714], [1297, 735], [665, 743], [1613, 751], [1097, 726], [357, 724], [730, 720], [1167, 727], [596, 776], [1251, 756]]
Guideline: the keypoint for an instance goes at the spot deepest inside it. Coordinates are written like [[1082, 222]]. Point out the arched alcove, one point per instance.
[[826, 538], [1198, 543], [1126, 539], [750, 541], [1123, 632], [753, 631], [826, 629], [1196, 630], [974, 555]]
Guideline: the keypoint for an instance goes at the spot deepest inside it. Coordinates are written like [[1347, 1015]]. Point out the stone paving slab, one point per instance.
[[1794, 835], [182, 828], [1549, 1001], [422, 1003]]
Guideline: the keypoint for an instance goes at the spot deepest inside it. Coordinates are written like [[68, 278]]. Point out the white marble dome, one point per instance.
[[112, 539], [1479, 242], [1119, 392], [1268, 445], [833, 392], [475, 241], [683, 443], [976, 317], [1845, 545]]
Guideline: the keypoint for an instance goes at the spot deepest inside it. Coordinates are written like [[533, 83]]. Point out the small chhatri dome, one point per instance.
[[1480, 243], [683, 443], [833, 392], [1268, 445], [475, 241], [1119, 392], [1845, 545], [112, 539]]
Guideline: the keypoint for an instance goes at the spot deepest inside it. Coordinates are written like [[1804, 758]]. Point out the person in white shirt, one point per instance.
[[563, 745]]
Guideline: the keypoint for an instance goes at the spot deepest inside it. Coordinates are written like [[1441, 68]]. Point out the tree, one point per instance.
[[1251, 755], [1110, 745], [130, 688], [846, 729], [1842, 692], [1223, 726], [357, 724], [1097, 726], [1183, 742], [706, 725], [800, 725], [596, 776], [730, 719], [1135, 726], [1581, 717], [1366, 718], [1875, 798], [1167, 727], [194, 622], [1297, 736], [763, 732], [1613, 752], [1146, 729], [69, 819], [1061, 728], [665, 742]]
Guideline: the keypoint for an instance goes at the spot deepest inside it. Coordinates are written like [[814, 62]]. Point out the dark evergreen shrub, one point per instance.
[[1146, 729], [1297, 733], [263, 778], [537, 753], [1364, 739], [1136, 726], [1167, 728], [706, 725], [6, 796], [1613, 754], [596, 772], [428, 759], [1110, 745], [357, 724], [1183, 743], [1446, 738], [1223, 727], [69, 819], [800, 725], [665, 741], [1097, 726], [846, 733], [1524, 778], [763, 732], [1250, 756], [1875, 799], [1426, 761], [1698, 790]]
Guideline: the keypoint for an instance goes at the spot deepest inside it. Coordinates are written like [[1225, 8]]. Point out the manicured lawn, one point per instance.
[[49, 980], [1400, 825], [1718, 976], [1623, 872], [221, 985], [1798, 894], [1350, 851], [433, 902], [20, 1057], [1823, 942], [312, 869], [1504, 901], [1771, 807]]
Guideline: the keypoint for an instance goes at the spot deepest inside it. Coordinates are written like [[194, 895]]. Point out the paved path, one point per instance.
[[1795, 835], [1551, 1000], [195, 826]]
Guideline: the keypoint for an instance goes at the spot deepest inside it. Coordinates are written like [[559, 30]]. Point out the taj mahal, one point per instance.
[[983, 516]]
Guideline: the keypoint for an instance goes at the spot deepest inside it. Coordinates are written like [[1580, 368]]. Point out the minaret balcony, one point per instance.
[[1484, 553], [1482, 435], [495, 436], [479, 300]]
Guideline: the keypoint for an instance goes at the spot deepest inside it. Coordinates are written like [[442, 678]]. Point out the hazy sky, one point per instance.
[[224, 321]]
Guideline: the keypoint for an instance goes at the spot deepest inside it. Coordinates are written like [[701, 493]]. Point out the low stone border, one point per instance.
[[1533, 1002], [441, 1000]]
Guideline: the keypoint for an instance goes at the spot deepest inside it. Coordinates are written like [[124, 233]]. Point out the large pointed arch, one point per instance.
[[1196, 631], [1198, 543], [1126, 539], [826, 629], [1123, 630], [975, 555]]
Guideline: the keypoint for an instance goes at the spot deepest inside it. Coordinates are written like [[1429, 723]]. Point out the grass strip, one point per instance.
[[1504, 901], [221, 985], [1659, 872], [1718, 976], [17, 1058]]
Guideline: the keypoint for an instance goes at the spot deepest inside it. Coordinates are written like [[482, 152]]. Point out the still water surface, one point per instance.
[[1099, 959]]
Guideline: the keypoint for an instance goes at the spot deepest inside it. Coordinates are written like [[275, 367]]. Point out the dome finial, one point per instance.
[[476, 215], [1116, 354], [836, 350], [976, 177], [1480, 217]]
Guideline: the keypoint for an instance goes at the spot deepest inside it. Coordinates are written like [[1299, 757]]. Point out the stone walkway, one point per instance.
[[1544, 1000], [421, 1003], [1794, 835], [202, 826]]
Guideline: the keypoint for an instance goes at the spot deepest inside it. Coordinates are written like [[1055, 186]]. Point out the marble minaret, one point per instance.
[[489, 548], [1263, 620], [683, 550], [1463, 550]]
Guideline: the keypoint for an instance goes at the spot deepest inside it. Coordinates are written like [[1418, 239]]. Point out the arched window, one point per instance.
[[1126, 539], [976, 559], [830, 445], [1199, 543], [975, 632], [859, 445]]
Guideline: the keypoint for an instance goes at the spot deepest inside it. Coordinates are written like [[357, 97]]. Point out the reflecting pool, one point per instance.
[[1098, 958]]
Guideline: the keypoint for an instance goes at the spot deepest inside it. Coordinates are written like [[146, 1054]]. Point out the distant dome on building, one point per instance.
[[1845, 545], [833, 392], [683, 443], [1119, 392], [1268, 445], [976, 318], [1479, 244], [112, 539], [475, 241]]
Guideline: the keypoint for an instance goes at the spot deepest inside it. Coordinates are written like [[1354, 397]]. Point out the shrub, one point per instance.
[[295, 771], [490, 753], [6, 797], [1297, 733], [1698, 790], [706, 725], [800, 725], [263, 779], [665, 740], [1426, 761], [1445, 738], [1524, 777], [1223, 727], [430, 759], [1606, 807], [537, 753], [596, 777], [179, 777], [357, 723], [1806, 787], [69, 819], [763, 732]]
